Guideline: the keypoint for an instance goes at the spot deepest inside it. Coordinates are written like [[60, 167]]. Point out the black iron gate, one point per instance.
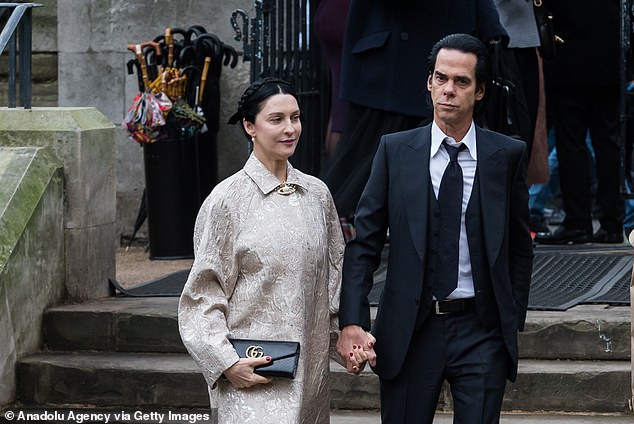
[[279, 41]]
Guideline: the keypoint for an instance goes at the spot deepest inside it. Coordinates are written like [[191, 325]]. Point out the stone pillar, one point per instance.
[[83, 139]]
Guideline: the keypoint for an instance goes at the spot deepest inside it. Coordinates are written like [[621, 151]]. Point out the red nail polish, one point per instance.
[[354, 346], [351, 354], [268, 359]]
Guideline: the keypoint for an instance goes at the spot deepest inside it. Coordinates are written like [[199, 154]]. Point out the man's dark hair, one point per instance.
[[467, 44]]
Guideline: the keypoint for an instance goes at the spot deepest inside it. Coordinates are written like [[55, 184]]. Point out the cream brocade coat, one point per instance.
[[267, 266]]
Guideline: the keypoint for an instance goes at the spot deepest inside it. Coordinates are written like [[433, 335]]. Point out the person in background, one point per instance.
[[268, 250], [455, 201], [384, 56], [330, 24], [518, 18], [582, 85]]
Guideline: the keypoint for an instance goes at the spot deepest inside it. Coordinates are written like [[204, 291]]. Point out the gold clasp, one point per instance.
[[537, 3], [254, 352]]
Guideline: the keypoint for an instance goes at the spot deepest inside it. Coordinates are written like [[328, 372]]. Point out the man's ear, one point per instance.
[[429, 82], [480, 90]]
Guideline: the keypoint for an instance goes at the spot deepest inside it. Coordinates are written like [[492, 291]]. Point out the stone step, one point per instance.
[[172, 380], [150, 325], [584, 332], [121, 324], [111, 379]]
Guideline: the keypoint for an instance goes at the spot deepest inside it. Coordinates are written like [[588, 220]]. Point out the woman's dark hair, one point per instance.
[[250, 103], [467, 44]]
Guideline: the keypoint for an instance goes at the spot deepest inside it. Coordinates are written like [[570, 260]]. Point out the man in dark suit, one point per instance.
[[424, 335], [383, 65]]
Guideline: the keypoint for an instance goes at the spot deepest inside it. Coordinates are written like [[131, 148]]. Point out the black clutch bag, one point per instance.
[[284, 355]]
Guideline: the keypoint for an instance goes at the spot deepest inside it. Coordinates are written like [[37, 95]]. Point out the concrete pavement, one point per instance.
[[362, 417]]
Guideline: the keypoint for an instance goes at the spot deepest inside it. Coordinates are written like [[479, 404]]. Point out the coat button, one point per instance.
[[404, 36]]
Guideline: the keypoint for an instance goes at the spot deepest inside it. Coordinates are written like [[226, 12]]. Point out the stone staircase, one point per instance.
[[126, 352]]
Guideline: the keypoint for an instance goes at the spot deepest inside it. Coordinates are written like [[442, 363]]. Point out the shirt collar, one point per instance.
[[469, 140], [266, 181]]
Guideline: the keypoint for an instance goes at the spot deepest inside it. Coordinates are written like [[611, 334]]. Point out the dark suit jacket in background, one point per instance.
[[591, 48], [387, 43], [396, 196]]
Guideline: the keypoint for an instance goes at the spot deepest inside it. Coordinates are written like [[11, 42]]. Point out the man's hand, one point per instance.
[[242, 375], [356, 347]]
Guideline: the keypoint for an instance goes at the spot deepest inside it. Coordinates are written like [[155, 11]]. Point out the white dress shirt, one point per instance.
[[468, 159]]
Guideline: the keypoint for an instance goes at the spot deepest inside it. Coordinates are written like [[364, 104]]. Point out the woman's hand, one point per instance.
[[242, 374], [358, 359], [356, 347]]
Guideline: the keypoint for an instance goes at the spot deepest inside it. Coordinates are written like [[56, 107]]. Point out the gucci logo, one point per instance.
[[254, 352]]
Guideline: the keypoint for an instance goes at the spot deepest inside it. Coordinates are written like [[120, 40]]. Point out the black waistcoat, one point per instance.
[[485, 299]]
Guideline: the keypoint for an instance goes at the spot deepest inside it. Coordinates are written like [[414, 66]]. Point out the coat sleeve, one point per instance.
[[520, 241], [335, 261], [363, 253], [203, 303], [489, 25]]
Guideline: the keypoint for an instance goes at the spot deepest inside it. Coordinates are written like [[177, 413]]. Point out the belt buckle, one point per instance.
[[437, 308]]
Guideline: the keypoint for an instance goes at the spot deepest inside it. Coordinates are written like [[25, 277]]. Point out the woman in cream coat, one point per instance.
[[268, 253]]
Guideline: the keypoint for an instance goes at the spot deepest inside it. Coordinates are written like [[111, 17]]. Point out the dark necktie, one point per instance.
[[450, 203]]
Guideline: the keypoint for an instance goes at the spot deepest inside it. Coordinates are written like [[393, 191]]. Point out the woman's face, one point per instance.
[[276, 129]]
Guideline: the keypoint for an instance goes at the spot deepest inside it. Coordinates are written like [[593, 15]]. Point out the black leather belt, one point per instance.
[[452, 306]]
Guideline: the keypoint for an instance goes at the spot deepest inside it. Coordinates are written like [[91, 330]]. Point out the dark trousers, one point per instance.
[[457, 348], [575, 112]]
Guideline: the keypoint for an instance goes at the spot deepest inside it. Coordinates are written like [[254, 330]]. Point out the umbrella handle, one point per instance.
[[203, 79], [137, 49], [156, 46], [138, 52], [169, 40]]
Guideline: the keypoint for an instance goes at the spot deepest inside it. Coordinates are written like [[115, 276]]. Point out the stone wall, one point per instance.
[[92, 41], [44, 58], [83, 43], [31, 252]]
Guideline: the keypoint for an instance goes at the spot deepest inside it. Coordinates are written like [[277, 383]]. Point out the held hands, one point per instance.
[[356, 347], [242, 375]]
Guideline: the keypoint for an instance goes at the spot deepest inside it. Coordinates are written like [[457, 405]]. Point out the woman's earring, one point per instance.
[[253, 139]]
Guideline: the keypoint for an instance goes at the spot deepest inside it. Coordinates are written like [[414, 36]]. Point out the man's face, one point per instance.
[[453, 88]]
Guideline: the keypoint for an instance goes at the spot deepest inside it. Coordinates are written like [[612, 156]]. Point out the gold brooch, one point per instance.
[[285, 189]]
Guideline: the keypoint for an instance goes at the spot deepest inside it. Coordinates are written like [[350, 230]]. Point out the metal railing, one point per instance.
[[18, 29]]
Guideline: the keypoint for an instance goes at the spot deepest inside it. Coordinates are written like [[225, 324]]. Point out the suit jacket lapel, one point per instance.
[[415, 185], [492, 169]]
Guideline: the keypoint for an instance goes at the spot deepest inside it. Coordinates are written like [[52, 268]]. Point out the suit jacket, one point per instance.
[[387, 44], [395, 197], [589, 55]]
